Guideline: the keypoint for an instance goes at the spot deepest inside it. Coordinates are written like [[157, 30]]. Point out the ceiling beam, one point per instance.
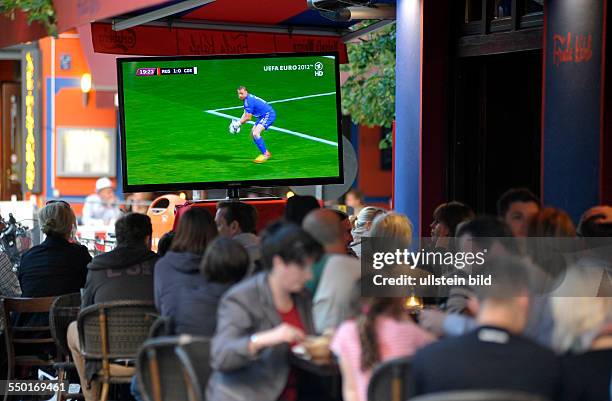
[[158, 14], [367, 30], [291, 30]]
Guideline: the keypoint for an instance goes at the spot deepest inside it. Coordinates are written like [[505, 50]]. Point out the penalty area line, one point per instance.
[[291, 99], [273, 128]]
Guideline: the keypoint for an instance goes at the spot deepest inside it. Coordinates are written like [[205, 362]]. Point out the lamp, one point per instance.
[[413, 303], [85, 87]]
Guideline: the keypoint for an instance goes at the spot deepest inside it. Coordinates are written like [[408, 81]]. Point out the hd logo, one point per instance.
[[318, 69]]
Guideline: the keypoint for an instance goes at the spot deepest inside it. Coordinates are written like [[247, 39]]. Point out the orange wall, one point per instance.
[[373, 181], [69, 109]]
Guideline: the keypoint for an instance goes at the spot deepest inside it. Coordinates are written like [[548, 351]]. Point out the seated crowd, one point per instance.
[[259, 296]]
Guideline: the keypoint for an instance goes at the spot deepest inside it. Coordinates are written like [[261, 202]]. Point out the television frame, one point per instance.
[[226, 184]]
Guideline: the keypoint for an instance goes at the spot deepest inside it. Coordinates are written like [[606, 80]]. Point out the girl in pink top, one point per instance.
[[383, 331]]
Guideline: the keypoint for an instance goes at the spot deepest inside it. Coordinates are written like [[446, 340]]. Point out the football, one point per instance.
[[234, 127]]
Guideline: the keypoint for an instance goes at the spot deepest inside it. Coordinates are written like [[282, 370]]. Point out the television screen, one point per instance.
[[229, 121]]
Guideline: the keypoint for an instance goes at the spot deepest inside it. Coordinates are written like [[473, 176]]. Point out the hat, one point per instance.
[[102, 183]]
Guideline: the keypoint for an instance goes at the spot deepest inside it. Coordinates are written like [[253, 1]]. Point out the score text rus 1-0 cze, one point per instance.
[[152, 71]]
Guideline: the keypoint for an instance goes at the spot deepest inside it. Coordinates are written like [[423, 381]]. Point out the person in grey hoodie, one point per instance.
[[179, 269], [125, 273], [225, 263]]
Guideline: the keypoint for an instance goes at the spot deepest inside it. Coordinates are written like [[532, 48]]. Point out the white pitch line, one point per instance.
[[281, 100], [286, 131]]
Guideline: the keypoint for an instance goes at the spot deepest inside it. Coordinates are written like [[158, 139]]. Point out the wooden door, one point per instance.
[[12, 152]]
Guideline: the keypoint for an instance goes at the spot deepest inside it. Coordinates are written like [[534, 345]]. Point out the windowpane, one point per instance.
[[473, 10], [534, 6], [503, 9]]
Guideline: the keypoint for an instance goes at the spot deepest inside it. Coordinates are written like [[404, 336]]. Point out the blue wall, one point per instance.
[[572, 95], [407, 147]]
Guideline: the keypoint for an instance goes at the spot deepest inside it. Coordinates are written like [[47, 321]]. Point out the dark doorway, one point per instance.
[[496, 135], [11, 143]]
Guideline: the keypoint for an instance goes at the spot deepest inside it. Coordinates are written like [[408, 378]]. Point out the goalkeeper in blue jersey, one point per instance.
[[265, 114]]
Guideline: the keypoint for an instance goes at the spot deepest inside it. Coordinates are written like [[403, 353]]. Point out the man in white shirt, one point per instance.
[[101, 208], [334, 278]]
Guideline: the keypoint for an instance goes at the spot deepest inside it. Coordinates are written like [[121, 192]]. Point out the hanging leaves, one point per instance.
[[37, 10], [368, 95]]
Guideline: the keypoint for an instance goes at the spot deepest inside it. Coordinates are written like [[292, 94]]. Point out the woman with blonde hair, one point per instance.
[[394, 226], [58, 265], [583, 331]]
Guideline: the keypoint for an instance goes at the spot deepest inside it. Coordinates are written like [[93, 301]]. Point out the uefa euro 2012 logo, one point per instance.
[[318, 69]]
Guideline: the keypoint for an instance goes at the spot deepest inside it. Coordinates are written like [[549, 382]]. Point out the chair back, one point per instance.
[[64, 310], [25, 335], [389, 379], [114, 330], [480, 395], [195, 358], [161, 373], [162, 327]]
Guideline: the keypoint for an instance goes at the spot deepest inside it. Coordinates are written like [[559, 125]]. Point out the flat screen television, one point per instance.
[[178, 121]]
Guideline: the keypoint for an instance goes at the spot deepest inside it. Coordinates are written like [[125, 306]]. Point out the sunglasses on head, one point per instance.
[[63, 202]]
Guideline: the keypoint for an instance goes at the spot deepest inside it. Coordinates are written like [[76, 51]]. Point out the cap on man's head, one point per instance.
[[102, 183]]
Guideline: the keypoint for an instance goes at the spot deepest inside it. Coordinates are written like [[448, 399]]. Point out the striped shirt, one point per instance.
[[395, 339], [9, 284]]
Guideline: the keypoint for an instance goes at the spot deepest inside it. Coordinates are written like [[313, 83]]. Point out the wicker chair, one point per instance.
[[389, 380], [161, 374], [479, 395], [195, 358], [26, 336], [64, 311], [113, 331], [163, 326]]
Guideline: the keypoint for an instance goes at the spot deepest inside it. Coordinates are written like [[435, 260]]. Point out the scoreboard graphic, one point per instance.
[[148, 72]]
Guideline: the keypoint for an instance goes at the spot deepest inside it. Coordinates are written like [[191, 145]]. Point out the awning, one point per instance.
[[261, 26], [70, 14], [152, 40]]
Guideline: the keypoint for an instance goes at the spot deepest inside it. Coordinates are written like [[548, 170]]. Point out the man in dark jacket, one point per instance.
[[494, 356], [238, 220], [125, 273]]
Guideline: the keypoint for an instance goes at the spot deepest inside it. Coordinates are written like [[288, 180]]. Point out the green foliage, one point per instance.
[[37, 10], [368, 95]]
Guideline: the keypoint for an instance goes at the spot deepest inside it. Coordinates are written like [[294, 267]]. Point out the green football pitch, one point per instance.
[[177, 125]]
